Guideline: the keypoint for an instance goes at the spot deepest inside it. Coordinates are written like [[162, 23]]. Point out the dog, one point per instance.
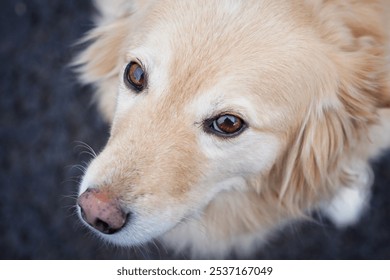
[[231, 119]]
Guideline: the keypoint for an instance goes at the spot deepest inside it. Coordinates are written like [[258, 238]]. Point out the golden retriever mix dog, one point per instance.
[[232, 118]]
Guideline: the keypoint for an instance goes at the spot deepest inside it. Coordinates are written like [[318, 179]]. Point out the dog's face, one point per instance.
[[209, 97]]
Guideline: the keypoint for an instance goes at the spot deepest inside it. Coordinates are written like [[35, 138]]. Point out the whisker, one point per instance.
[[80, 167], [89, 150], [88, 153], [70, 196], [76, 180], [141, 249], [158, 248]]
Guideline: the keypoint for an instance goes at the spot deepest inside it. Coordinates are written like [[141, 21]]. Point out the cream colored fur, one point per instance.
[[309, 77]]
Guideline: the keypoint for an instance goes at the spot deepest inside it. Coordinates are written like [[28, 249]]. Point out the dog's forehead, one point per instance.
[[198, 44], [220, 33], [253, 45]]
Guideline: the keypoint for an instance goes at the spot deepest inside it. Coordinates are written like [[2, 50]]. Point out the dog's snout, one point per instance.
[[101, 211]]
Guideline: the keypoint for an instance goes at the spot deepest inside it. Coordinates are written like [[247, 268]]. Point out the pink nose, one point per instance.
[[101, 211]]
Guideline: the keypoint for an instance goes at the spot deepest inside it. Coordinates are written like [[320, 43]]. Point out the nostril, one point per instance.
[[106, 228], [103, 227]]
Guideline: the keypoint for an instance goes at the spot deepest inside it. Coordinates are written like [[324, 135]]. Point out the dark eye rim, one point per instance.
[[129, 83], [208, 126]]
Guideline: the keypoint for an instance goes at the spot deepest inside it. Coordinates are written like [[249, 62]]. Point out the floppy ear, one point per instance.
[[99, 63], [311, 167], [333, 138]]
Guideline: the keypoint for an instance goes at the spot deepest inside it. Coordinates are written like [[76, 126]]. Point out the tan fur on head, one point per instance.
[[310, 78]]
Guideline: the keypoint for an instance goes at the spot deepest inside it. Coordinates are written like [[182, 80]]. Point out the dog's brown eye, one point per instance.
[[135, 76], [226, 125]]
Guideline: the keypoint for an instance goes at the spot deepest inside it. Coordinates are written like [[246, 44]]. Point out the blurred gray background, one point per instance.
[[43, 115]]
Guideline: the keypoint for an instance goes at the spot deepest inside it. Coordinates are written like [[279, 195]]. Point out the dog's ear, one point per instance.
[[99, 60], [311, 164], [99, 63], [334, 135], [320, 158]]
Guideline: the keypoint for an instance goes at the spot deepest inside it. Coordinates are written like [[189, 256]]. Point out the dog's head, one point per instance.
[[219, 96]]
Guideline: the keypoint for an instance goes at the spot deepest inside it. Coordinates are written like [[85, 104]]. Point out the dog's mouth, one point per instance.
[[106, 217]]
